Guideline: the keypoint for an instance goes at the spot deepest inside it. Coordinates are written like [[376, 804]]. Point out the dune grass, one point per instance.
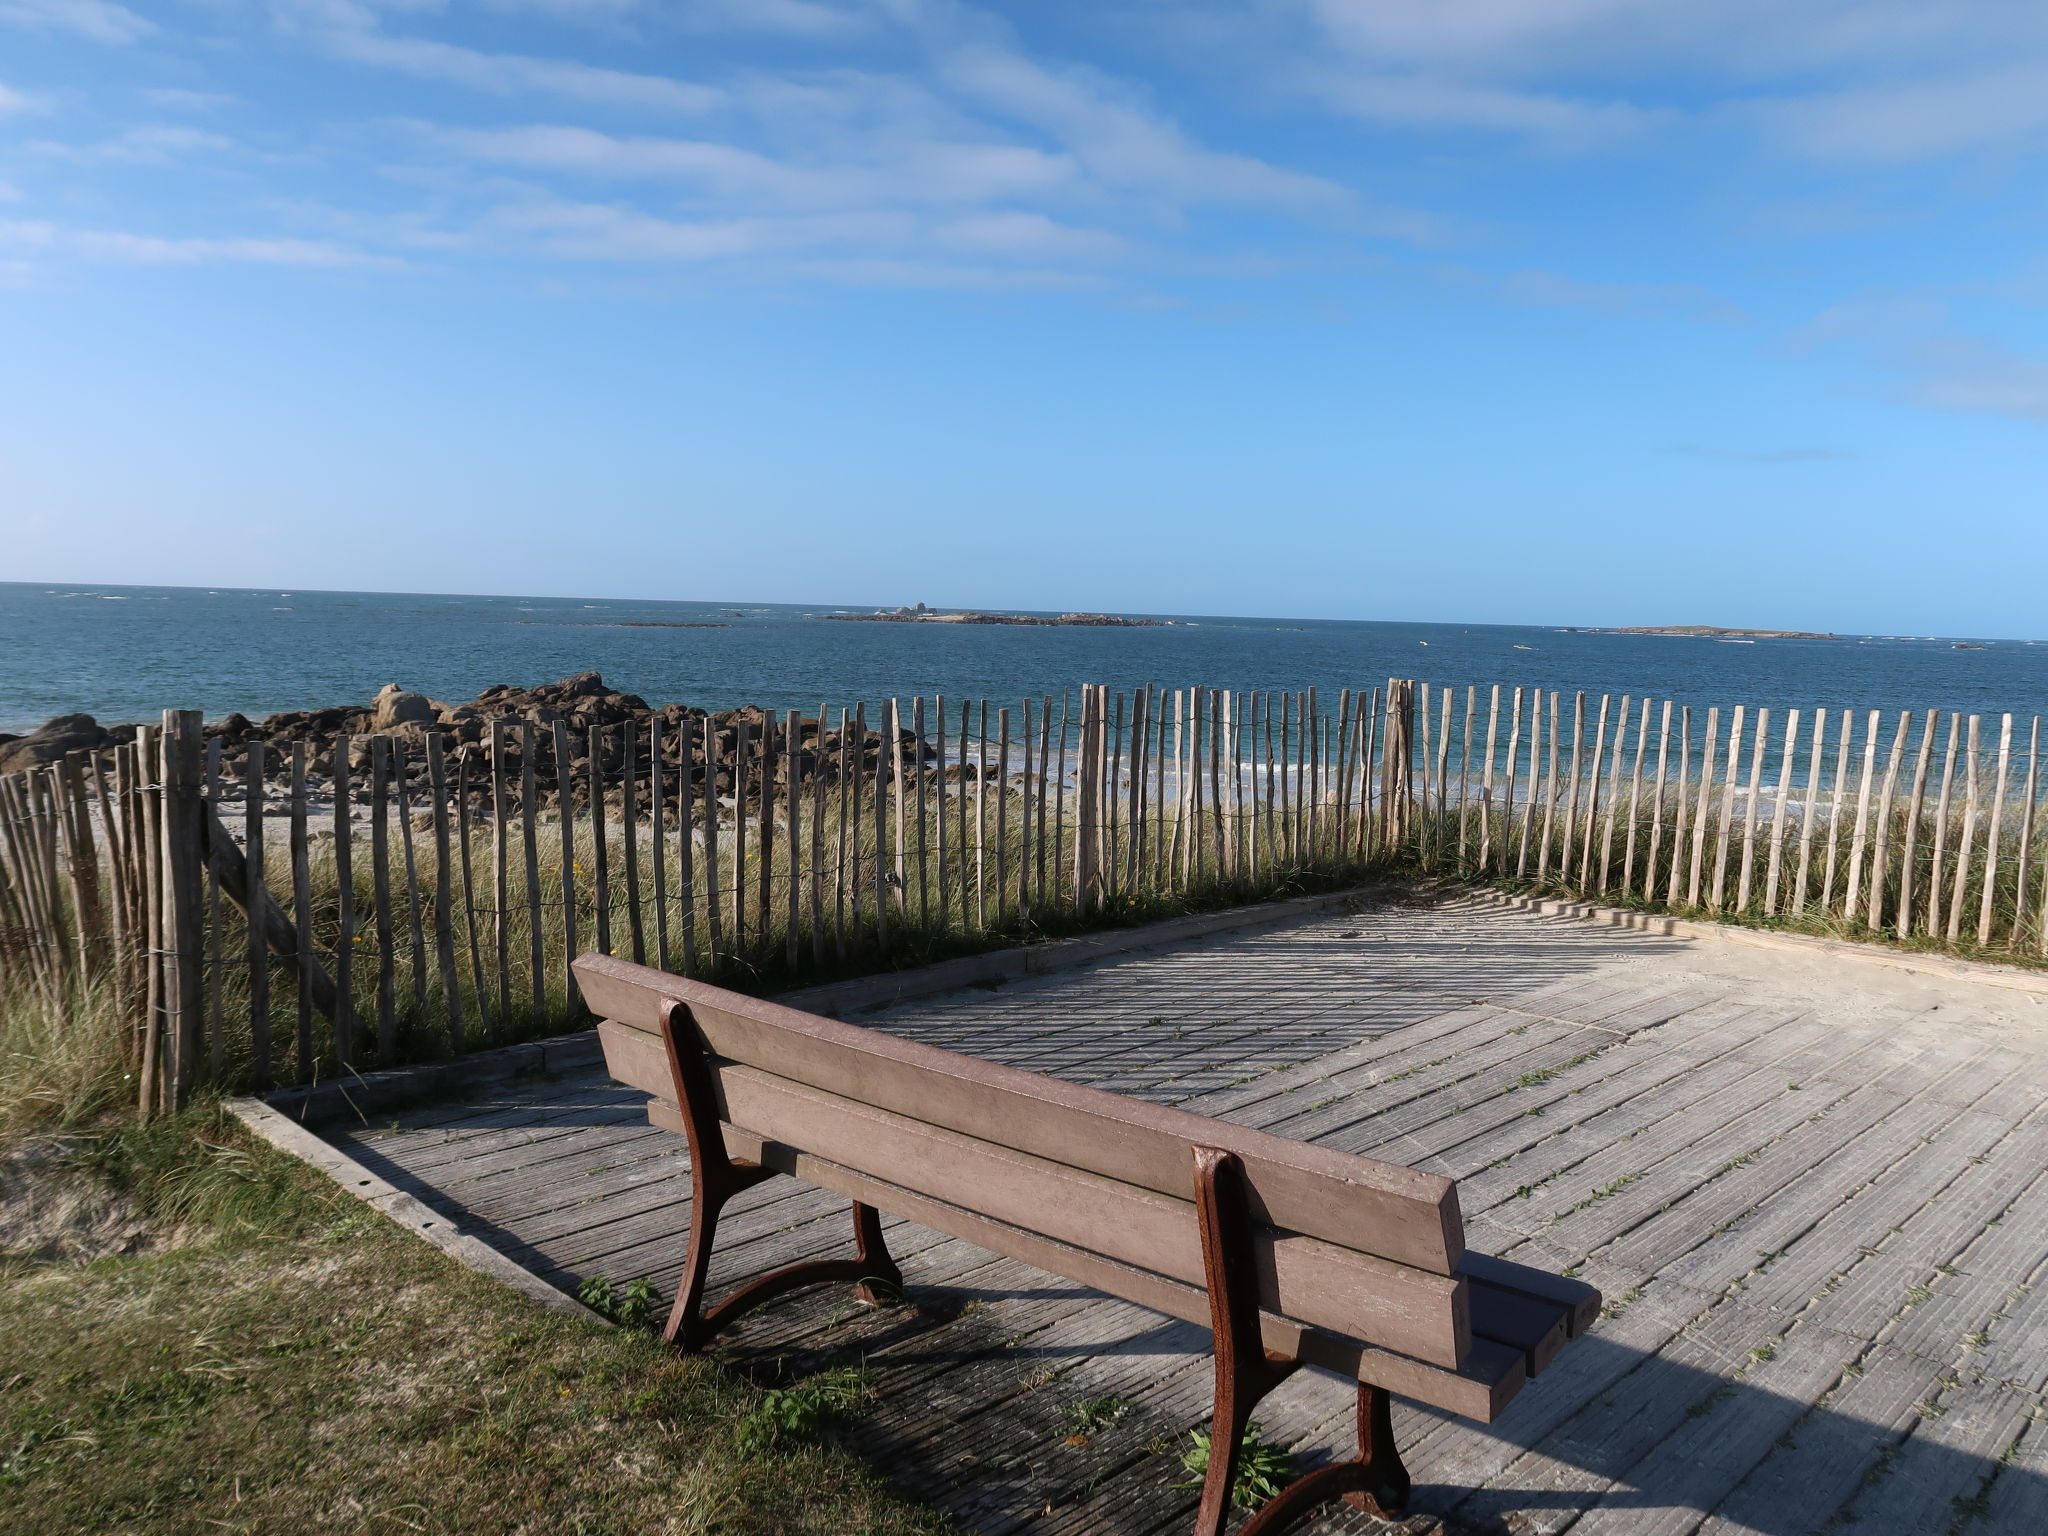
[[61, 1050]]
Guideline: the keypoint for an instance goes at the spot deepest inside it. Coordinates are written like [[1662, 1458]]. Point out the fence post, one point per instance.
[[1088, 802], [1397, 763], [180, 895]]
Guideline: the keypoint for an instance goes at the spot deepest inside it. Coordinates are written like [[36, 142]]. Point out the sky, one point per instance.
[[1544, 311]]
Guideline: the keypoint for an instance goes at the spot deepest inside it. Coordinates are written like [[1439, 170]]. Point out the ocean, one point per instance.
[[127, 653]]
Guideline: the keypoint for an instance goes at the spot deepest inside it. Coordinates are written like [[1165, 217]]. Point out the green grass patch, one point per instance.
[[292, 1361]]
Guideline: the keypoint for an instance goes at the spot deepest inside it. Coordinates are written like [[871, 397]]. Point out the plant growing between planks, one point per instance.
[[806, 1409], [1263, 1469]]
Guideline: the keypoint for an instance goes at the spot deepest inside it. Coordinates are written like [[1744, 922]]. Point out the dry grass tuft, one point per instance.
[[60, 1052]]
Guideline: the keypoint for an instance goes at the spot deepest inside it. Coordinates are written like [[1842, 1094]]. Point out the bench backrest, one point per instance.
[[1364, 1248]]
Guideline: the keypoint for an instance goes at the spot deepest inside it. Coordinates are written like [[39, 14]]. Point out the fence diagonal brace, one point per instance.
[[279, 932]]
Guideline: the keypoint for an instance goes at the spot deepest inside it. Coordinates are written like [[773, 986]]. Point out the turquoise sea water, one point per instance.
[[126, 653]]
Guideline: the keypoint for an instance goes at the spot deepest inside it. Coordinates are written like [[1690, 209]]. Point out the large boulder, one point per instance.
[[394, 707], [50, 741]]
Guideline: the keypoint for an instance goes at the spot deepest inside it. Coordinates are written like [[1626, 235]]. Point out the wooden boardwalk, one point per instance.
[[1815, 1191]]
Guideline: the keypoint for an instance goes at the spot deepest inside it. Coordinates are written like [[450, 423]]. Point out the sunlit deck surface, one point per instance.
[[1812, 1189]]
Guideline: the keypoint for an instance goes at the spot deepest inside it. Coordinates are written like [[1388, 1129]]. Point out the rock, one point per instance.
[[50, 741], [394, 707], [584, 685]]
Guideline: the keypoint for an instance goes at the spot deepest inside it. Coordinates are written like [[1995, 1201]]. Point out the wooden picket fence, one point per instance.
[[300, 915]]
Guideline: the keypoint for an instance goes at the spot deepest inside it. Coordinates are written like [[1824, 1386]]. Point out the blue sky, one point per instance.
[[1569, 311]]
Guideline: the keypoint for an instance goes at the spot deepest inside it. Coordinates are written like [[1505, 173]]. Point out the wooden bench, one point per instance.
[[1291, 1253]]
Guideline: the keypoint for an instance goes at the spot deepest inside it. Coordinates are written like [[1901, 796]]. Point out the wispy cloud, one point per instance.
[[149, 144], [127, 248], [1896, 79], [173, 99], [1917, 119], [611, 232], [1415, 100], [804, 19], [1929, 358], [1535, 286], [1106, 126], [981, 153], [98, 20], [922, 133], [1015, 233], [868, 242], [890, 170], [345, 30], [12, 100]]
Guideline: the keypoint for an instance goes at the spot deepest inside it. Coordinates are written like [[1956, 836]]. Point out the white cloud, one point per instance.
[[827, 243], [805, 19], [1931, 360], [610, 232], [1436, 102], [1858, 78], [95, 19], [157, 251], [174, 100], [150, 144], [1535, 286], [1441, 31], [888, 171], [345, 30], [1917, 119], [1957, 372], [953, 276], [964, 151], [1539, 288], [1015, 233], [1118, 142], [12, 100]]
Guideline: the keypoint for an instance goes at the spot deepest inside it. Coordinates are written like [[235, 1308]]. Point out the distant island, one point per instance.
[[1709, 632], [919, 614]]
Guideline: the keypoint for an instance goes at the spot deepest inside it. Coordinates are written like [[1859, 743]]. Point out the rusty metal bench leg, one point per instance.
[[714, 1179], [1245, 1372]]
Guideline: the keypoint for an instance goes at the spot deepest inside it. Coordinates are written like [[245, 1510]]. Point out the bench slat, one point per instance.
[[1407, 1310], [1490, 1376], [1373, 1207], [1580, 1301], [1537, 1328]]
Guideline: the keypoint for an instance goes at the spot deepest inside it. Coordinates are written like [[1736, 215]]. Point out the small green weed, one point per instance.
[[1262, 1469], [808, 1408], [1089, 1414], [632, 1307]]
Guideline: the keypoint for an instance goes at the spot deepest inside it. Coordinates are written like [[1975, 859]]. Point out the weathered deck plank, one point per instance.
[[1820, 1304]]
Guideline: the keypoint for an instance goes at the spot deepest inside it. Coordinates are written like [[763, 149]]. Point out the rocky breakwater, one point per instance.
[[607, 736]]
